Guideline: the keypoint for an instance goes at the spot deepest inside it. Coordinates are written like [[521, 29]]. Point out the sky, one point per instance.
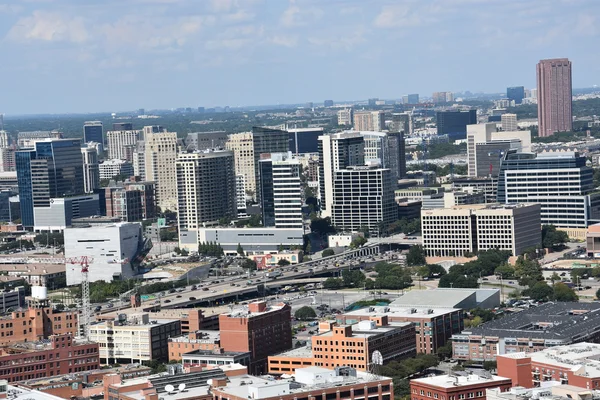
[[75, 56]]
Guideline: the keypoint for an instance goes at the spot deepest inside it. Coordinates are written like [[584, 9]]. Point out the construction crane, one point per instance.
[[84, 261]]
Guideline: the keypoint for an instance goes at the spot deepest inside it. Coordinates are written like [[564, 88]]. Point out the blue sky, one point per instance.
[[112, 55]]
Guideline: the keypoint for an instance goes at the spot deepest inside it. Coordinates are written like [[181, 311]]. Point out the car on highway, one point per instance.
[[205, 289], [167, 301], [192, 298]]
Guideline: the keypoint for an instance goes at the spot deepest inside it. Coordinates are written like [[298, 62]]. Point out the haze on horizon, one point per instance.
[[62, 56]]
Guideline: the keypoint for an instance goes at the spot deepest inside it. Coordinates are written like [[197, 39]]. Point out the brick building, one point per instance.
[[61, 354], [199, 340], [576, 365], [349, 346], [257, 329], [308, 383], [35, 324], [456, 387]]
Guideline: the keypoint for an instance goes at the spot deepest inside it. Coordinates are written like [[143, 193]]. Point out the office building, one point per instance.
[[530, 331], [402, 122], [134, 338], [91, 171], [52, 170], [487, 185], [93, 132], [240, 195], [369, 121], [126, 205], [206, 140], [592, 239], [192, 341], [388, 149], [451, 387], [159, 161], [147, 194], [41, 323], [116, 253], [516, 94], [463, 230], [575, 365], [336, 151], [206, 188], [51, 275], [281, 190], [7, 153], [26, 140], [247, 148], [7, 211], [410, 99], [560, 182], [554, 96], [486, 147], [258, 329], [307, 383], [214, 358], [344, 117], [363, 197], [454, 123], [119, 141], [304, 140], [442, 97], [350, 346], [327, 103], [60, 354], [509, 122], [115, 169], [122, 126]]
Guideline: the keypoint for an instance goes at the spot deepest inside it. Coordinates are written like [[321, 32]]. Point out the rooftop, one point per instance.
[[19, 393], [300, 352], [360, 330], [244, 311], [33, 269], [203, 337], [554, 321], [443, 297], [454, 380], [214, 353], [401, 311]]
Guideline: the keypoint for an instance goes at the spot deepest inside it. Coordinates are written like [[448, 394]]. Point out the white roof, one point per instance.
[[449, 381]]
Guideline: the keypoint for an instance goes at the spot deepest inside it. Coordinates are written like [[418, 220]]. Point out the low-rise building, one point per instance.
[[529, 331], [272, 260], [110, 169], [52, 276], [12, 299], [343, 239], [35, 324], [456, 387], [199, 340], [592, 239], [60, 354], [134, 338], [308, 383], [215, 358], [350, 345]]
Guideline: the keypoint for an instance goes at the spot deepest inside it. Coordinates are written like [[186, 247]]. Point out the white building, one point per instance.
[[61, 212], [7, 154], [91, 174], [134, 338], [281, 191], [253, 240], [160, 157], [369, 121], [118, 141], [457, 231], [115, 251], [115, 167], [509, 122], [240, 194], [344, 117]]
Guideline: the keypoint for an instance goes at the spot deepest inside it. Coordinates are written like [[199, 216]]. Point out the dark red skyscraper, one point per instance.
[[554, 96]]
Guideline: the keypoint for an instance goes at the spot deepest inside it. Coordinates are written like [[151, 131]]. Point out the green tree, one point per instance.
[[333, 283], [564, 293], [322, 226], [540, 291], [255, 221], [528, 272], [327, 253], [444, 352], [553, 238], [507, 271], [305, 313], [490, 365], [249, 264], [416, 256], [598, 294], [240, 250], [283, 262], [473, 322]]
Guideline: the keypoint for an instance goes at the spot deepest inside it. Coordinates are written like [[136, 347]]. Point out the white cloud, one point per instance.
[[49, 27], [295, 16], [398, 16], [285, 41]]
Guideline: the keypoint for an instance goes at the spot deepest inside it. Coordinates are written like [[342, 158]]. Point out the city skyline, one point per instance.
[[104, 56]]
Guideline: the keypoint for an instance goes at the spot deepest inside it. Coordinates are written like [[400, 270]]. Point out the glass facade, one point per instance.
[[454, 123], [93, 133], [516, 93]]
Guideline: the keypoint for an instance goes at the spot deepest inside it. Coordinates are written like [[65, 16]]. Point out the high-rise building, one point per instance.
[[93, 132], [373, 101], [123, 204], [555, 96], [345, 117], [328, 103], [260, 329], [486, 148], [206, 188], [281, 190], [115, 169], [462, 230], [148, 197], [26, 140], [369, 121], [53, 169], [160, 157], [363, 196], [560, 182], [117, 142], [304, 140], [240, 194], [206, 140], [442, 97], [402, 122], [410, 99], [387, 149], [509, 122], [122, 126], [516, 94], [7, 153], [247, 148], [337, 151], [91, 172], [454, 123]]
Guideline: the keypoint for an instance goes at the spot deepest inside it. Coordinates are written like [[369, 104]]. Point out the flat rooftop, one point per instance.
[[192, 392], [401, 311], [203, 337], [555, 321], [357, 332], [300, 352], [457, 380], [34, 269], [216, 354], [442, 297], [244, 311]]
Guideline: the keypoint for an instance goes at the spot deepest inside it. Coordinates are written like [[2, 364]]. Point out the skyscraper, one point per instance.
[[402, 122], [93, 132], [454, 123], [7, 153], [555, 95], [337, 151], [281, 190], [388, 149], [509, 122], [344, 117], [91, 170], [118, 141], [206, 188], [369, 121], [516, 93], [160, 157]]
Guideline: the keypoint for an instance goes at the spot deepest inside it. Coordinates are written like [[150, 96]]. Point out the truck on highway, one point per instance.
[[274, 274]]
